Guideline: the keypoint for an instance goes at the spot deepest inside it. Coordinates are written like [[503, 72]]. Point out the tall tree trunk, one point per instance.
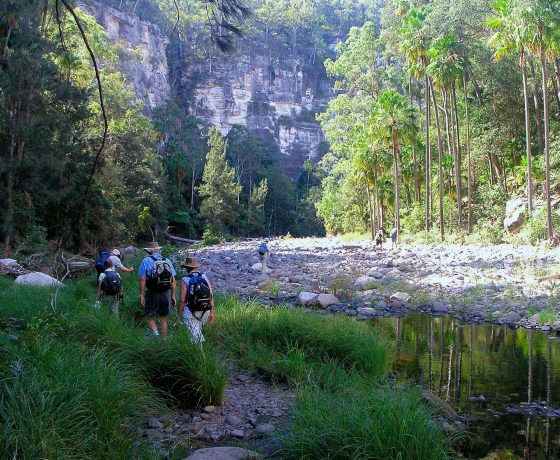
[[474, 82], [523, 66], [546, 144], [557, 77], [450, 149], [5, 51], [440, 168], [537, 102], [192, 184], [396, 180], [370, 210], [458, 158], [414, 159], [379, 211], [469, 165], [428, 223]]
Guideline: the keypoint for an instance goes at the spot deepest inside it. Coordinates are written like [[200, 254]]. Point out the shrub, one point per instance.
[[537, 227]]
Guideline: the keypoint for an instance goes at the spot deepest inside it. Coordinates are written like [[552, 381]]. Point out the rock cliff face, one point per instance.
[[145, 61], [275, 98], [276, 101]]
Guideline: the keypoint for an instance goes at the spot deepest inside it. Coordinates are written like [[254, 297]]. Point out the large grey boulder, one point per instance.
[[364, 281], [37, 279], [307, 298], [223, 453], [326, 300], [8, 262], [400, 297], [515, 215]]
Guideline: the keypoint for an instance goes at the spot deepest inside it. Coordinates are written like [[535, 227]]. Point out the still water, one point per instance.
[[489, 374]]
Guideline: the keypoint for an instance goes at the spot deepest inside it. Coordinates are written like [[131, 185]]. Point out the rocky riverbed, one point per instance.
[[477, 283]]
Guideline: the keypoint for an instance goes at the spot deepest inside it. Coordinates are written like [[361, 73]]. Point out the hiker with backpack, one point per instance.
[[394, 237], [109, 288], [197, 296], [264, 254], [157, 288], [116, 258]]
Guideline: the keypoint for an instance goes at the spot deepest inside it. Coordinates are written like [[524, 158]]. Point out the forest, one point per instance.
[[441, 112]]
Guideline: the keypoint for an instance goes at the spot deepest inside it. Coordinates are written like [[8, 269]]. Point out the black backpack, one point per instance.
[[111, 284], [159, 279], [199, 296]]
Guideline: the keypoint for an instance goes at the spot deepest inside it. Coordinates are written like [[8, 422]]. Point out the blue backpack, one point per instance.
[[263, 249], [100, 261]]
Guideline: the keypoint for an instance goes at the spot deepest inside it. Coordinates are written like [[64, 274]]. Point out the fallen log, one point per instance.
[[179, 239]]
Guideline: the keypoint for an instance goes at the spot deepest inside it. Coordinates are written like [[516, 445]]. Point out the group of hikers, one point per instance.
[[158, 286]]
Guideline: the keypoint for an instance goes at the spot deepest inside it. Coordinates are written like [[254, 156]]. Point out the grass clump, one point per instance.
[[63, 400], [243, 327]]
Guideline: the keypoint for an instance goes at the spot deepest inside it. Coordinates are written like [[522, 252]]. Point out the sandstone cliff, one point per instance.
[[276, 98]]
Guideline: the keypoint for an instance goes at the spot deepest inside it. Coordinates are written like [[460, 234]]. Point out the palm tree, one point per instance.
[[394, 121], [415, 46], [512, 35]]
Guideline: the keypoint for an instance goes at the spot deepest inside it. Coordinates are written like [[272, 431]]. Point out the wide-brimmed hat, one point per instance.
[[116, 252], [152, 246], [190, 262]]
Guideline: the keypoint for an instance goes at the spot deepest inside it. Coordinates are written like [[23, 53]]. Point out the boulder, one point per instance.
[[257, 267], [364, 281], [515, 215], [8, 262], [513, 317], [307, 298], [326, 300], [223, 453], [400, 297], [366, 311], [37, 279]]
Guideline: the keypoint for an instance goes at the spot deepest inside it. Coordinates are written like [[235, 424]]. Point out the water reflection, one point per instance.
[[485, 372]]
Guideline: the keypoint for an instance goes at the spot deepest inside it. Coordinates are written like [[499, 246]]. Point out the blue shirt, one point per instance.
[[148, 264]]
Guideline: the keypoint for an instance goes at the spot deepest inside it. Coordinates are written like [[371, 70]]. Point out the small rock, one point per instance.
[[366, 311], [243, 378], [238, 433], [265, 428], [513, 317], [364, 281], [535, 318], [154, 423], [438, 306], [205, 416], [210, 409], [400, 297], [256, 267], [233, 420]]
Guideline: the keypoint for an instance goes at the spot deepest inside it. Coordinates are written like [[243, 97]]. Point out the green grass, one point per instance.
[[88, 378], [344, 409]]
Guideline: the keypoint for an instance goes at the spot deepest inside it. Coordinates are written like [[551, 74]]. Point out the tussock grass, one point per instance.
[[288, 336], [67, 401]]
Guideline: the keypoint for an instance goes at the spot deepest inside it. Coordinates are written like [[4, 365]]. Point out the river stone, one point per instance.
[[154, 423], [513, 317], [233, 420], [257, 267], [366, 311], [37, 279], [364, 281], [439, 307], [8, 262], [326, 300], [535, 318], [377, 274], [223, 453], [265, 428], [307, 298], [400, 297]]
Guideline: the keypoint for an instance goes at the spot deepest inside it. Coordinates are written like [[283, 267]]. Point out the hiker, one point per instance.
[[157, 288], [115, 257], [394, 236], [196, 295], [379, 239], [109, 289], [264, 254]]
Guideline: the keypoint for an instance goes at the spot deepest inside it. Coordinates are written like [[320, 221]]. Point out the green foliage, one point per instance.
[[219, 189], [537, 227]]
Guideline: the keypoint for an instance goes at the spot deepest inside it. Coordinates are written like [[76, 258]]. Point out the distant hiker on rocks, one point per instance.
[[109, 289], [379, 239], [157, 288], [196, 295], [264, 255], [394, 237], [116, 258]]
